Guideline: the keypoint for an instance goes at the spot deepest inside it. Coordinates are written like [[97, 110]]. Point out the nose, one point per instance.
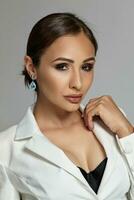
[[76, 80]]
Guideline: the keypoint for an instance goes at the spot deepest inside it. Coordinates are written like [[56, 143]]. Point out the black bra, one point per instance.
[[94, 177]]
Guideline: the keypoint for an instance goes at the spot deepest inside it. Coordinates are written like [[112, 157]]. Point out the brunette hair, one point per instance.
[[47, 30]]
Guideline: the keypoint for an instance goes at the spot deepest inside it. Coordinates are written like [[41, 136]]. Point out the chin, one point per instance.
[[73, 107]]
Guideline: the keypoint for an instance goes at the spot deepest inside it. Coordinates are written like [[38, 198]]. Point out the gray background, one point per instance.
[[113, 25]]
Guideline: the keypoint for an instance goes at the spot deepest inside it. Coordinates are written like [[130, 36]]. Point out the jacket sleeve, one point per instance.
[[7, 191], [126, 146]]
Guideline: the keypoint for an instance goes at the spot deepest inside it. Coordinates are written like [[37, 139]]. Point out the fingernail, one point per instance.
[[90, 128], [90, 125]]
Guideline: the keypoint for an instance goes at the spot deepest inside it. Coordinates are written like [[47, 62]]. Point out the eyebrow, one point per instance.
[[72, 61]]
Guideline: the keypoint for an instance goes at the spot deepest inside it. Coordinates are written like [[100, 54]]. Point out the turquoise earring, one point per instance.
[[32, 85]]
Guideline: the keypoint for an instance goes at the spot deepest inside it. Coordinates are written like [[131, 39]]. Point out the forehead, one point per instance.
[[71, 45]]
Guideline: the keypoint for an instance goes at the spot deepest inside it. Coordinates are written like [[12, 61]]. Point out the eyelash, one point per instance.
[[61, 65]]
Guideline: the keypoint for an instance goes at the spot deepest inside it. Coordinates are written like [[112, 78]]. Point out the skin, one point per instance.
[[110, 114], [55, 84], [64, 124], [75, 78]]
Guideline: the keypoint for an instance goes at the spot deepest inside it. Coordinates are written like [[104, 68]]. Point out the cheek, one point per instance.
[[91, 77], [88, 80], [51, 82]]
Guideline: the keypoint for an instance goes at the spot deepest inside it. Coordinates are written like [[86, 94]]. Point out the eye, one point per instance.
[[61, 66], [88, 66]]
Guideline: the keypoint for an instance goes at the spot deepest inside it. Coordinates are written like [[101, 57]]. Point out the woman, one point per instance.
[[60, 150]]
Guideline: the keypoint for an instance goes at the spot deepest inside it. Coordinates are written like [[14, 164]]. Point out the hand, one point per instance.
[[110, 114]]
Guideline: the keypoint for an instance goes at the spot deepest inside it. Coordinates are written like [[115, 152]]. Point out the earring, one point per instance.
[[32, 85]]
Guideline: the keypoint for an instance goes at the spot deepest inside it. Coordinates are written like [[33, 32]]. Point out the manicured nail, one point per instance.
[[91, 126]]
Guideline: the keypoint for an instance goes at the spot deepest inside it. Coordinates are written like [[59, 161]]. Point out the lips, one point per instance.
[[74, 98]]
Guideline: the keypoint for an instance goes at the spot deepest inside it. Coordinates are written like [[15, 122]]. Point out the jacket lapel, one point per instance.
[[46, 150], [39, 144], [104, 135]]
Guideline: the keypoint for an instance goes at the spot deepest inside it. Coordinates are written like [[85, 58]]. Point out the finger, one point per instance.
[[89, 118], [90, 125], [85, 116], [90, 106], [92, 101], [86, 113]]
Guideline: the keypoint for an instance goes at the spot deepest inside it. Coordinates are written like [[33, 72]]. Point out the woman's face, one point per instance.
[[66, 68]]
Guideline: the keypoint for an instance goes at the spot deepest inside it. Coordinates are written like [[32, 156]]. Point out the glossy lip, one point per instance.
[[74, 96], [73, 99]]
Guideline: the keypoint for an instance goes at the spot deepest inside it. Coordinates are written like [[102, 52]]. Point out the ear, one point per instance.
[[31, 70]]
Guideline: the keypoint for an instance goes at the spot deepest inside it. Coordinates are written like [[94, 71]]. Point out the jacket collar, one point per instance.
[[28, 126], [39, 144]]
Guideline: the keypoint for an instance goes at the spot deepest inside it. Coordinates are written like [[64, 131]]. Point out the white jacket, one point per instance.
[[33, 168]]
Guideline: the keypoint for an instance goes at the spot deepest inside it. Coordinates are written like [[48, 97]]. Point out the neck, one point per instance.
[[50, 116]]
